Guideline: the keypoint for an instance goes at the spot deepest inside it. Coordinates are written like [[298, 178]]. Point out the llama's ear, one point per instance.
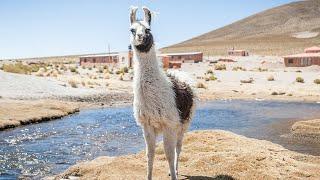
[[147, 15], [133, 12]]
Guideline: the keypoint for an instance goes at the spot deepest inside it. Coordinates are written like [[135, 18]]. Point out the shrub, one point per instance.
[[262, 69], [90, 68], [274, 93], [299, 80], [238, 68], [121, 77], [73, 83], [1, 67], [317, 81], [20, 68], [270, 78], [125, 69], [201, 85], [209, 71], [73, 69], [212, 77], [220, 67]]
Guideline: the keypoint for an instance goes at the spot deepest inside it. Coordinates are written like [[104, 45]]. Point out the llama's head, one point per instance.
[[141, 37]]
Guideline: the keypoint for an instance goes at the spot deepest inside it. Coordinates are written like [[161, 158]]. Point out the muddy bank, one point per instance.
[[208, 154], [14, 113], [309, 129]]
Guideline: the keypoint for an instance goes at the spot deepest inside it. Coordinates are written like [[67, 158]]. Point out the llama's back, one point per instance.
[[184, 94]]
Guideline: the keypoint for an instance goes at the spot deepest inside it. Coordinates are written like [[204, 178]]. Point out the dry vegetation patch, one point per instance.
[[208, 155], [17, 112]]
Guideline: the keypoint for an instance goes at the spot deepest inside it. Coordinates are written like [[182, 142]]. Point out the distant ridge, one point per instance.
[[278, 31]]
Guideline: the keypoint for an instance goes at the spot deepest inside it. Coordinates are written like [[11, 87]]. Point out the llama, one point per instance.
[[162, 104]]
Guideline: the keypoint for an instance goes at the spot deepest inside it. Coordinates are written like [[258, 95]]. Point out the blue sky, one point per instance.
[[31, 28]]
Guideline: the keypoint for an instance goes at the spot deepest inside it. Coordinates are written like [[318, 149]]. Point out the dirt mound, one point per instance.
[[206, 155]]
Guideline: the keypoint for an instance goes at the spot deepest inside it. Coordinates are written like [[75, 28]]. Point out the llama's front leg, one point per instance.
[[150, 139], [170, 142], [178, 149]]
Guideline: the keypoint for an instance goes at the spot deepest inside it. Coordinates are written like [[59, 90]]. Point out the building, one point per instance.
[[310, 57], [314, 49], [235, 52], [118, 59], [174, 60]]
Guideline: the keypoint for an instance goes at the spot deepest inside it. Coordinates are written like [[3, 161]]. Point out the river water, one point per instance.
[[48, 148]]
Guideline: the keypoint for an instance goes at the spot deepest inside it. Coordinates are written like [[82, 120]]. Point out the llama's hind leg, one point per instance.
[[150, 139], [170, 142]]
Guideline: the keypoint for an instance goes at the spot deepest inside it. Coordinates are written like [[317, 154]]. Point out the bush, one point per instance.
[[270, 78], [262, 69], [209, 71], [212, 77], [238, 68], [73, 83], [73, 69], [20, 68], [121, 77], [220, 67], [201, 85], [125, 69], [274, 93], [317, 81], [299, 80], [1, 67]]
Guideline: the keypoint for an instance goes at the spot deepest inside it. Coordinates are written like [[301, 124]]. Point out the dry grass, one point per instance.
[[317, 81], [207, 155], [16, 112], [20, 68], [220, 67], [73, 83], [239, 68], [201, 85], [299, 80]]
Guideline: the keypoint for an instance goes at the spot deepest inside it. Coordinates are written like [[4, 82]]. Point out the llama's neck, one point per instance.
[[146, 65]]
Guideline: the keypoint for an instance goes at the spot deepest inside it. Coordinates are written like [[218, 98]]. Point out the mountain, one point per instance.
[[278, 31]]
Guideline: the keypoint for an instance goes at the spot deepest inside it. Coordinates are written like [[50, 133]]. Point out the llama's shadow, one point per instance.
[[218, 177]]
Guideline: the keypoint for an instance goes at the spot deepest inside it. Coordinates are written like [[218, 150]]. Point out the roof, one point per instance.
[[100, 55], [179, 54], [313, 48], [303, 55]]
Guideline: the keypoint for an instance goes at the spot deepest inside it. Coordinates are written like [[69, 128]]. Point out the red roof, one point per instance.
[[303, 55], [313, 48]]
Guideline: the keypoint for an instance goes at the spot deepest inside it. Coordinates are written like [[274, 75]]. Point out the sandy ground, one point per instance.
[[15, 112], [208, 155]]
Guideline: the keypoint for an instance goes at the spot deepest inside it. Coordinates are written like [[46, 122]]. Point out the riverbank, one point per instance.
[[208, 154], [307, 130], [14, 113]]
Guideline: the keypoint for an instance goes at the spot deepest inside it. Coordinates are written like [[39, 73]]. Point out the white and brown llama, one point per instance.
[[162, 104]]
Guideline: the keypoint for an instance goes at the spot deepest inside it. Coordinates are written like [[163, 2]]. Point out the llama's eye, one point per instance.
[[148, 30], [133, 31]]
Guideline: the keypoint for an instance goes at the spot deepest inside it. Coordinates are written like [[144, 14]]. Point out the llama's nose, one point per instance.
[[140, 36]]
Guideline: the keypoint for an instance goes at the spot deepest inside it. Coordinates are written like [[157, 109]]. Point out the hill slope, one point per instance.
[[281, 30]]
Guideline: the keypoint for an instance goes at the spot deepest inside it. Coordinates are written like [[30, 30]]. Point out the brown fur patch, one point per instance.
[[184, 98]]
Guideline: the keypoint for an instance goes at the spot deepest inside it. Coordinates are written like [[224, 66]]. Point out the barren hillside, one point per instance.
[[277, 31]]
